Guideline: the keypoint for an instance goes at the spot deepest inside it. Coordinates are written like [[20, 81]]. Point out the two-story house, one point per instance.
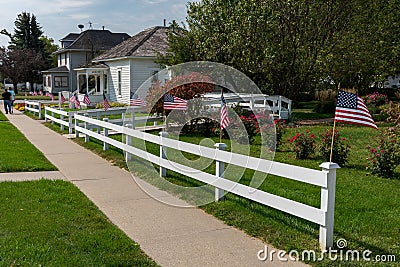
[[78, 49]]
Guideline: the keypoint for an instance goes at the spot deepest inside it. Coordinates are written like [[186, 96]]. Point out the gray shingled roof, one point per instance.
[[146, 43], [58, 69], [99, 40], [70, 37]]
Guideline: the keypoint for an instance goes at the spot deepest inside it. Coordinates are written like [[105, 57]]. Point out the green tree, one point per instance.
[[287, 47], [276, 43], [369, 51], [19, 64], [28, 35], [49, 49]]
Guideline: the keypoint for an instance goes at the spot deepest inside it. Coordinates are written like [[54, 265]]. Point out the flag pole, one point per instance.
[[333, 131], [333, 138], [220, 125]]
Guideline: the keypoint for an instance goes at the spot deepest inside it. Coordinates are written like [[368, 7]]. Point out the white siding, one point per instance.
[[124, 67], [141, 70]]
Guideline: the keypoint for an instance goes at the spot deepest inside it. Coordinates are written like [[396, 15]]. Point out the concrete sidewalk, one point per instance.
[[31, 176], [172, 236]]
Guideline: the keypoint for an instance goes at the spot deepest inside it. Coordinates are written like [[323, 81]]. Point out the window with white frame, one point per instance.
[[105, 85], [60, 81], [119, 82]]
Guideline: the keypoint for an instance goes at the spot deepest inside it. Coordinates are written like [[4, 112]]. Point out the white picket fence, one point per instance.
[[65, 118], [36, 106], [325, 179]]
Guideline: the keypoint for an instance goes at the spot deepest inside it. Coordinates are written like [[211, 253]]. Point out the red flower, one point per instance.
[[312, 135]]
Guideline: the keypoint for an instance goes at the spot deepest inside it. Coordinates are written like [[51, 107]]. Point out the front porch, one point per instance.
[[93, 80]]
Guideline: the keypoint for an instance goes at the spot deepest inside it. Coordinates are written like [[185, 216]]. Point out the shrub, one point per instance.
[[376, 99], [303, 144], [325, 107], [392, 112], [112, 104], [374, 103], [385, 157], [181, 86], [340, 148]]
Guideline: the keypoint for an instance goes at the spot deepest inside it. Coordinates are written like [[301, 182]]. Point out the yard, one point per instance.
[[17, 154], [52, 223], [366, 214]]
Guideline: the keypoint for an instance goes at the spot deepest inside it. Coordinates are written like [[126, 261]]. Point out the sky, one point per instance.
[[60, 17]]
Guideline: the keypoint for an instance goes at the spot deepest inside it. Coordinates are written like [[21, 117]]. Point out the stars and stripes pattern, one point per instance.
[[72, 99], [50, 95], [77, 102], [351, 108], [62, 99], [137, 101], [86, 99], [106, 104], [224, 113], [174, 103]]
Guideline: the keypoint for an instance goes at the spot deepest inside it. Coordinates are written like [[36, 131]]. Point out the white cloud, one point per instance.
[[153, 2]]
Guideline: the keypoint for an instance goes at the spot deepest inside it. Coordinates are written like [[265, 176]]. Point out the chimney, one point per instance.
[[103, 28], [165, 23]]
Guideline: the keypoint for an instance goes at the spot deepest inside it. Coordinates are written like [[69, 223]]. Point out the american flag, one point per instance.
[[137, 101], [72, 99], [174, 103], [62, 99], [50, 95], [106, 104], [77, 102], [86, 99], [224, 113], [350, 108]]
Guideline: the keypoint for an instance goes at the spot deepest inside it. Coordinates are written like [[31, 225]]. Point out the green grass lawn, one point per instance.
[[3, 117], [367, 210], [51, 223], [17, 154]]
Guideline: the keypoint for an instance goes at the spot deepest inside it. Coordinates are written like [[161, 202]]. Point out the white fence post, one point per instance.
[[45, 113], [61, 118], [219, 172], [328, 205], [128, 142], [59, 100], [163, 154], [40, 109], [76, 125], [105, 133], [86, 127], [98, 117], [70, 116]]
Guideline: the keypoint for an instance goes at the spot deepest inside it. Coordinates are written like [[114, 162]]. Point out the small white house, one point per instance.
[[120, 71]]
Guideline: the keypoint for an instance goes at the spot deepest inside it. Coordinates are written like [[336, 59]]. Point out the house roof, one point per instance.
[[146, 43], [58, 69], [94, 40], [70, 37]]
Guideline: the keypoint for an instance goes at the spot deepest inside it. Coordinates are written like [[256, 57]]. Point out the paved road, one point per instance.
[[172, 236]]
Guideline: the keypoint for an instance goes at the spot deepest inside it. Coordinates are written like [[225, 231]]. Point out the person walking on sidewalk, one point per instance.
[[7, 101], [11, 91]]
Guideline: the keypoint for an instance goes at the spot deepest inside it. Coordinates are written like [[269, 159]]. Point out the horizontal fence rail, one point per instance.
[[326, 179]]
